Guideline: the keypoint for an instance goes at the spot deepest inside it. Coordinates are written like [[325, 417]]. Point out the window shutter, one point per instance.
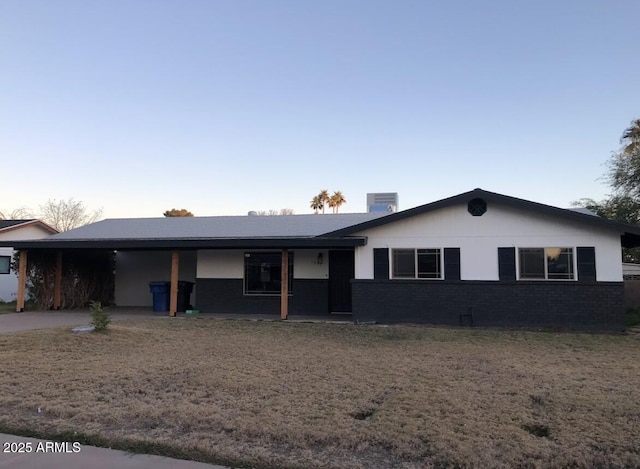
[[586, 264], [381, 264], [507, 264], [452, 263]]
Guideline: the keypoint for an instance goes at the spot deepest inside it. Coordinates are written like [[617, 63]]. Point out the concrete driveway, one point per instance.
[[12, 322]]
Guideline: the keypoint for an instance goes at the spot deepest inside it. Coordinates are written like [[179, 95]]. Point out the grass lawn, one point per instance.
[[10, 306], [271, 394], [7, 307]]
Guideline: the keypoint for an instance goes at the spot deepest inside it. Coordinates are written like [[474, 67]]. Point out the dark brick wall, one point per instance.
[[563, 305], [310, 296]]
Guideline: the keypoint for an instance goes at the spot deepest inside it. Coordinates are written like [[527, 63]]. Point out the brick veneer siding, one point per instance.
[[310, 296], [563, 305]]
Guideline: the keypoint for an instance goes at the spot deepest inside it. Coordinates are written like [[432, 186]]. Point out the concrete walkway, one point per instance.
[[13, 322], [64, 457]]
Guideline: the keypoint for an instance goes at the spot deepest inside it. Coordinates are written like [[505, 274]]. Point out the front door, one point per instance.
[[341, 271]]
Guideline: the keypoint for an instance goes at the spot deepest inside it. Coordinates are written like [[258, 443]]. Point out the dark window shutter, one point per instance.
[[452, 263], [586, 264], [381, 264], [507, 264]]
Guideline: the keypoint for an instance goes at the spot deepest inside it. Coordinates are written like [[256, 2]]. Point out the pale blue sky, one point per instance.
[[222, 107]]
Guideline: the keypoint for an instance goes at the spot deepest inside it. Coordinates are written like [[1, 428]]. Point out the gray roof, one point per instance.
[[584, 210], [283, 231], [9, 223], [256, 226]]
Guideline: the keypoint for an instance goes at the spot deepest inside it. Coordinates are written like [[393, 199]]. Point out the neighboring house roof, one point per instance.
[[284, 231], [8, 225], [630, 233]]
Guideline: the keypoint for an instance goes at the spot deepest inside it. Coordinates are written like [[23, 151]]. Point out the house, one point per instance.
[[13, 230], [477, 258]]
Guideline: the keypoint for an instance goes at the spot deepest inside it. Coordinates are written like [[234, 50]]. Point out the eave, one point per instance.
[[191, 243]]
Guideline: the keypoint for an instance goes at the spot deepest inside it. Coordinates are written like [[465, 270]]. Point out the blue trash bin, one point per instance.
[[160, 292]]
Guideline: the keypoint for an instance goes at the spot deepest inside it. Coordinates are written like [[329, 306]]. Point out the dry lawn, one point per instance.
[[271, 394]]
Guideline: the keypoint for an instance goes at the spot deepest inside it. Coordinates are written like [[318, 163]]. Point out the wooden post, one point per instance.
[[173, 298], [22, 281], [284, 289], [57, 286]]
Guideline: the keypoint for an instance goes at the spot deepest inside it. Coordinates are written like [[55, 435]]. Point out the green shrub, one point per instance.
[[632, 317], [100, 319]]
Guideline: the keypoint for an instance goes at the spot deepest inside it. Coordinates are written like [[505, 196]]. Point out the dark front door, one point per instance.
[[341, 271]]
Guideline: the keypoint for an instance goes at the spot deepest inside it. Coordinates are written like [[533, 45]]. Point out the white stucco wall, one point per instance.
[[230, 263], [9, 282], [134, 271], [479, 238]]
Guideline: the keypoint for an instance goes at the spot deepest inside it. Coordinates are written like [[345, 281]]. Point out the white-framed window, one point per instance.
[[557, 263], [5, 264], [416, 263]]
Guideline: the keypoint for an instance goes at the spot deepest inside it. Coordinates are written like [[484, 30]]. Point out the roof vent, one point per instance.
[[252, 213], [477, 207]]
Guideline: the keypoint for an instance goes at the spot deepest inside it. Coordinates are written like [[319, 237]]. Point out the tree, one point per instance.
[[631, 138], [324, 198], [178, 212], [274, 212], [624, 165], [65, 215], [336, 201], [617, 207], [624, 178], [22, 213], [316, 204]]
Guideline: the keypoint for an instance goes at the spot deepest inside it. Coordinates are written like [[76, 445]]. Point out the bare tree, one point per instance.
[[273, 212], [22, 213], [65, 215]]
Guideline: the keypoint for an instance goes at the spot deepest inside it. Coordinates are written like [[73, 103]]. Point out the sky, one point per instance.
[[222, 107]]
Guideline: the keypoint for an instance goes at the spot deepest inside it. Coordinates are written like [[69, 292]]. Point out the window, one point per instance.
[[263, 271], [416, 263], [546, 264], [5, 264]]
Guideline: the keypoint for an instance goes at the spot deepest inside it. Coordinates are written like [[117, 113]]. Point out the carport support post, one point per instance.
[[173, 298], [22, 281], [57, 286], [284, 286]]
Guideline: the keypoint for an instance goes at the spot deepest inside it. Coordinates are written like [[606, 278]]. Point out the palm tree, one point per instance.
[[631, 139], [324, 198], [336, 201], [332, 204], [316, 204]]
